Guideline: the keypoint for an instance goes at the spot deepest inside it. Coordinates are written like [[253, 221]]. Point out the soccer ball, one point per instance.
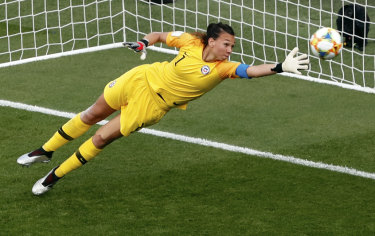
[[326, 43]]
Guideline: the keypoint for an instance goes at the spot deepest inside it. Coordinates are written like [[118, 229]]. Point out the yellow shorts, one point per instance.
[[139, 105]]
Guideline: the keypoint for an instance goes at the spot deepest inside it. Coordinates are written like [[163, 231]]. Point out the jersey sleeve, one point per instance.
[[178, 39], [227, 69]]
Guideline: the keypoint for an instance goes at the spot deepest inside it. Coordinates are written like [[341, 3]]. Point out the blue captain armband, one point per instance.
[[241, 71]]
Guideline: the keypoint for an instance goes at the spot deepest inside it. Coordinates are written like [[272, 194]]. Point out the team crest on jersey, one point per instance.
[[112, 84], [205, 70]]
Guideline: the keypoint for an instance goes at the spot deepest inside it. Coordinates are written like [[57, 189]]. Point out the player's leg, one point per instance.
[[73, 129], [87, 151], [104, 136], [97, 112]]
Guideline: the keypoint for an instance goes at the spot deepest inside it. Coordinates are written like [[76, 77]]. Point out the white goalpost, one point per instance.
[[266, 30]]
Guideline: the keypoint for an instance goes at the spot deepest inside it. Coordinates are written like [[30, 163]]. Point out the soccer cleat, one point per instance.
[[39, 155], [46, 183]]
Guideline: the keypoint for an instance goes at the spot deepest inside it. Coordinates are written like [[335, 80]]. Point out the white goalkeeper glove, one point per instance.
[[293, 64], [139, 46]]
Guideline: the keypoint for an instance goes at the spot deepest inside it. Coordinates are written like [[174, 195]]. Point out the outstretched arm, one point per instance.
[[156, 37], [260, 70], [291, 64], [148, 40]]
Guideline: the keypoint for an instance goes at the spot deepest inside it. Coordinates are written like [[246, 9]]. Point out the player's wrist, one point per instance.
[[278, 68], [145, 42]]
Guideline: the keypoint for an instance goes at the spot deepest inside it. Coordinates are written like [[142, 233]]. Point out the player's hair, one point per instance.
[[213, 31]]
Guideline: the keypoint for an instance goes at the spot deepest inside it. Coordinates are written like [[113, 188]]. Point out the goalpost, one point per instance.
[[266, 30]]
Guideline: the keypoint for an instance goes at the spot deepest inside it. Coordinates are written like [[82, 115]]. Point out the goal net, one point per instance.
[[266, 30]]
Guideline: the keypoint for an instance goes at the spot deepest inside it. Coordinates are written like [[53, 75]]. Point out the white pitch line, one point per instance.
[[205, 142]]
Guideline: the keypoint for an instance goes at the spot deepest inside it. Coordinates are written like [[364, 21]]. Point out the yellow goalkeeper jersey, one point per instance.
[[187, 76]]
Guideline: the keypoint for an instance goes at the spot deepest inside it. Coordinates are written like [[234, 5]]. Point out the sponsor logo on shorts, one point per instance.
[[112, 84], [205, 70]]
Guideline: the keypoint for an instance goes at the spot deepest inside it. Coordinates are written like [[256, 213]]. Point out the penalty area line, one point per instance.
[[205, 142]]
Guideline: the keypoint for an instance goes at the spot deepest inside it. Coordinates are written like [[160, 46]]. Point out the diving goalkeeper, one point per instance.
[[147, 92]]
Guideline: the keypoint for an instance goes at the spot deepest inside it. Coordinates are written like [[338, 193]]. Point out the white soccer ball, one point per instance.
[[326, 43]]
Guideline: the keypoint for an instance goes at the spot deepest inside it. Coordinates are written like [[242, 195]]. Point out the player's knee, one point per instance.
[[90, 117], [100, 142]]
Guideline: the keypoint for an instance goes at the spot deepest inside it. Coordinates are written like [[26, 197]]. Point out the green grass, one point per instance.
[[147, 185]]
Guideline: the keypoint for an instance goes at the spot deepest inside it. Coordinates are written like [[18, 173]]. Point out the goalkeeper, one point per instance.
[[146, 93]]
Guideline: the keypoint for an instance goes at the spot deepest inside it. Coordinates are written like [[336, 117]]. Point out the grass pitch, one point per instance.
[[147, 185]]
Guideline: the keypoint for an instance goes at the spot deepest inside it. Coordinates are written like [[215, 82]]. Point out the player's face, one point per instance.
[[223, 46]]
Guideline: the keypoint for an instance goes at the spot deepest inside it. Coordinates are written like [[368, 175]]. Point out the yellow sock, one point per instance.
[[86, 152], [69, 131], [54, 142]]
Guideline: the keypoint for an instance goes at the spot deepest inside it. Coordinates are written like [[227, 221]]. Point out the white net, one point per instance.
[[266, 30], [35, 28]]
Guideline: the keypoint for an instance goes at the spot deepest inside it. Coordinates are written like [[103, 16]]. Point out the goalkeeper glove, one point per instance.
[[137, 46], [293, 64]]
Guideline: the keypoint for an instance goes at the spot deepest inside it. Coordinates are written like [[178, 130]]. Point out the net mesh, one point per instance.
[[265, 30]]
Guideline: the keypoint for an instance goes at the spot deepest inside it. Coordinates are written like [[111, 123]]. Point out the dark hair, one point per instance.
[[213, 31]]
